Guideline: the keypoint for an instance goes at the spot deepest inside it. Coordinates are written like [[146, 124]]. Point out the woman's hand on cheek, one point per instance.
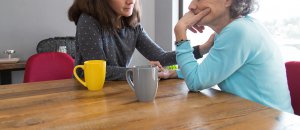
[[197, 28], [189, 20]]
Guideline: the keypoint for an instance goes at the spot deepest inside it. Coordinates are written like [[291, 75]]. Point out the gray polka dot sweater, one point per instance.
[[95, 43]]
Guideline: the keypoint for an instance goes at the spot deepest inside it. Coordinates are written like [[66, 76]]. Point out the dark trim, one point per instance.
[[180, 8]]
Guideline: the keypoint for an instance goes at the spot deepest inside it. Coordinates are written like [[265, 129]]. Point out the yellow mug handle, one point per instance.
[[77, 77]]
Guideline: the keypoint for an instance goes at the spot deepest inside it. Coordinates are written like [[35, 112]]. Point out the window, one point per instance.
[[280, 17]]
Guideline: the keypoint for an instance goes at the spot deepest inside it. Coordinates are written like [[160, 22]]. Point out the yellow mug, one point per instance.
[[94, 74]]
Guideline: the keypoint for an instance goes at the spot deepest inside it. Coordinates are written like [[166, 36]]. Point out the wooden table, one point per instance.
[[65, 104], [7, 68]]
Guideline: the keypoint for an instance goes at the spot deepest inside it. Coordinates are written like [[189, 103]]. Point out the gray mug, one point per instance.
[[143, 80]]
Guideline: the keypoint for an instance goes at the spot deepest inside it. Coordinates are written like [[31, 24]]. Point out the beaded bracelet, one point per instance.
[[172, 67], [178, 43]]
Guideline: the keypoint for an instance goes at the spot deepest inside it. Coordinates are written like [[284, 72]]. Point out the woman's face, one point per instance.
[[122, 7], [218, 10]]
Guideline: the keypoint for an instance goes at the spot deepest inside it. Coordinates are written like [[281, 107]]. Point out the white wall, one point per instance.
[[26, 22]]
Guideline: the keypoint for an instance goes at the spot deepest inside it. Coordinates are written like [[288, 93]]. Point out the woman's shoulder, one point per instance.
[[138, 27], [240, 26], [86, 19], [243, 23]]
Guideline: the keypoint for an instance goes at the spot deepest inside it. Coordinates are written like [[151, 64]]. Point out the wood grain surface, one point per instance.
[[65, 104], [13, 66]]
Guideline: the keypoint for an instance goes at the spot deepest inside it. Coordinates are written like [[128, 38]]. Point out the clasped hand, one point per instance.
[[162, 72]]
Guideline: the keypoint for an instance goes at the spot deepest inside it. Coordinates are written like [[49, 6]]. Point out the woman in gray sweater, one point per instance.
[[110, 30]]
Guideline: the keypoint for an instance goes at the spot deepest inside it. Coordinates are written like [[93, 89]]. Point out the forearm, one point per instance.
[[204, 49], [165, 59], [190, 69]]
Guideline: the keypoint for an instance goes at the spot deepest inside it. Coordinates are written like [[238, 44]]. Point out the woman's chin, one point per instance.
[[127, 14]]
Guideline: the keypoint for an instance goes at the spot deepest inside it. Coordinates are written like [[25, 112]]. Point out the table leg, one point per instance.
[[5, 77]]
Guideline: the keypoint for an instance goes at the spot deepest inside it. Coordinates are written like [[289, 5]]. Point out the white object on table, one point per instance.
[[9, 52], [9, 59]]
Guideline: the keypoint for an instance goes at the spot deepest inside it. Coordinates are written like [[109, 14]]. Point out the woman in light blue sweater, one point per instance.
[[244, 59]]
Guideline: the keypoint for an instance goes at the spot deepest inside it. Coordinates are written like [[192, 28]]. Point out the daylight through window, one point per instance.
[[280, 17]]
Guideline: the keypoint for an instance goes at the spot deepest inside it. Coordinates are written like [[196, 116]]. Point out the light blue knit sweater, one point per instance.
[[244, 61]]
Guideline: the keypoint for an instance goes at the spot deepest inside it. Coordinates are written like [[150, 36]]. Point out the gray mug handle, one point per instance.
[[129, 74]]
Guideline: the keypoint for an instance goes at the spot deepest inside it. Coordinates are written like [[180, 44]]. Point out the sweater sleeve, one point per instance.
[[150, 50], [226, 56], [89, 46]]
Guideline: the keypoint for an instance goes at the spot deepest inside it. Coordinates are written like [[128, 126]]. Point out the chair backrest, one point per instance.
[[53, 44], [48, 66], [293, 77]]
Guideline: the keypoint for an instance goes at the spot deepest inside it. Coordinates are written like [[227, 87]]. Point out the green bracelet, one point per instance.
[[172, 67]]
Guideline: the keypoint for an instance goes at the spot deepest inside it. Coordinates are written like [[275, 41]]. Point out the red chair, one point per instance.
[[48, 66], [293, 77]]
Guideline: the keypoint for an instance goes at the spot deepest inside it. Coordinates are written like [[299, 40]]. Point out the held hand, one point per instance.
[[167, 74], [162, 72], [157, 63]]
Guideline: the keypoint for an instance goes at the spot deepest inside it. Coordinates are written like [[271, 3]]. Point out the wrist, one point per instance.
[[202, 49]]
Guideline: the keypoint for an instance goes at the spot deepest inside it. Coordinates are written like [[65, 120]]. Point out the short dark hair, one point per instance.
[[103, 13], [242, 7]]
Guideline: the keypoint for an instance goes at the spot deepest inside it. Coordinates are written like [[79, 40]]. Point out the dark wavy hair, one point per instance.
[[242, 7], [101, 10]]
